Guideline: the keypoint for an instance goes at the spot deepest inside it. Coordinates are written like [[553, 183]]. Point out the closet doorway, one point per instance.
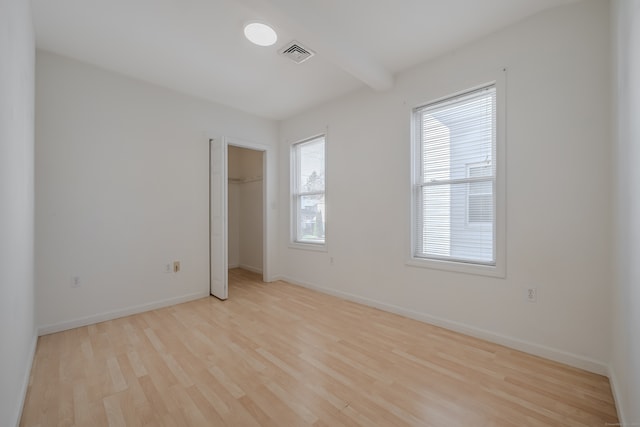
[[238, 231], [245, 207]]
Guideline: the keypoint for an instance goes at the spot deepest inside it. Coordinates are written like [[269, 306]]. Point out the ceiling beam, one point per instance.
[[298, 18]]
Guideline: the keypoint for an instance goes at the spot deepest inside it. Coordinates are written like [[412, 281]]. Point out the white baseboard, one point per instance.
[[230, 266], [250, 268], [25, 381], [110, 315], [617, 395], [561, 356]]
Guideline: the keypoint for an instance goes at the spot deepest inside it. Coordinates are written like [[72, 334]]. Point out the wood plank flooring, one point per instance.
[[280, 355]]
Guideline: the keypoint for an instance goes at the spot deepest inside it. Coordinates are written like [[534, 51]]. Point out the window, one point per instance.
[[454, 189], [308, 191]]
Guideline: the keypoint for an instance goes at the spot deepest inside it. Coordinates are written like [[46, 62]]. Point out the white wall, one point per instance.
[[122, 181], [233, 224], [626, 291], [558, 191], [17, 331], [251, 228]]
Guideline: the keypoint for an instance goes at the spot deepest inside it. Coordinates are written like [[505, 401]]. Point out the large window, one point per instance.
[[454, 191], [308, 192]]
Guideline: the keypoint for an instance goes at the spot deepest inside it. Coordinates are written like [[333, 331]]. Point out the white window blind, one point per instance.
[[308, 191], [455, 182], [480, 195]]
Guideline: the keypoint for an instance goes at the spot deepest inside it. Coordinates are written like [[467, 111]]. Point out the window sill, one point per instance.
[[313, 247], [458, 267]]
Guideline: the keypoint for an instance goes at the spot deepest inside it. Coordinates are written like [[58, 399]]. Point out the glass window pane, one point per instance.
[[311, 214], [445, 230], [311, 172], [309, 177]]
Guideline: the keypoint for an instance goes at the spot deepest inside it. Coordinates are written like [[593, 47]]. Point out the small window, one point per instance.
[[454, 189], [308, 192]]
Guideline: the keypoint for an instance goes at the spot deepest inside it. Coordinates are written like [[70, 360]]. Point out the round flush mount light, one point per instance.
[[260, 34]]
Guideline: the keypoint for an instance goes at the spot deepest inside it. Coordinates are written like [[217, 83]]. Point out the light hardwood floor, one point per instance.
[[280, 355]]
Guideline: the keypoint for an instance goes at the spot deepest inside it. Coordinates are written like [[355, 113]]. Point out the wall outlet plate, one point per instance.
[[531, 295]]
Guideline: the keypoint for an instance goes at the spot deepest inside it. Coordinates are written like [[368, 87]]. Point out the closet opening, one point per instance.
[[245, 207]]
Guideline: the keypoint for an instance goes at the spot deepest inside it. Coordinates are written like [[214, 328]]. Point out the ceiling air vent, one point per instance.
[[296, 52]]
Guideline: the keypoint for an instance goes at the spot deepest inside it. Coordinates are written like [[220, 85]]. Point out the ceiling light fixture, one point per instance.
[[260, 34]]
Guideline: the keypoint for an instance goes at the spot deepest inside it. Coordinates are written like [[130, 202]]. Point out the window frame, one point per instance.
[[295, 196], [499, 269]]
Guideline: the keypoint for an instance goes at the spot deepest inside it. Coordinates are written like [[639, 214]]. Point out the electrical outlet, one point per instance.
[[176, 266], [532, 295], [75, 281], [168, 268]]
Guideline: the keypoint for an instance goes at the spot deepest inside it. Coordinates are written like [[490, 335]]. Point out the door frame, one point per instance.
[[267, 234]]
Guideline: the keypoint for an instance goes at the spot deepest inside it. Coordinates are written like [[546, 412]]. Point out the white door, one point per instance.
[[218, 217]]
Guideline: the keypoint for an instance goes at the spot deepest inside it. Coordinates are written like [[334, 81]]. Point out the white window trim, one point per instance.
[[293, 211], [499, 269]]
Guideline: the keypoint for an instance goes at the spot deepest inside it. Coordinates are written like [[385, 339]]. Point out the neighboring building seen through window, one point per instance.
[[308, 185], [455, 180]]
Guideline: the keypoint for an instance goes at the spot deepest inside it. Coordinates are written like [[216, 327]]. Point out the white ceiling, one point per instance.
[[197, 46]]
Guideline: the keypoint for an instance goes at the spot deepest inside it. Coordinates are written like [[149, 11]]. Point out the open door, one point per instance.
[[218, 218]]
